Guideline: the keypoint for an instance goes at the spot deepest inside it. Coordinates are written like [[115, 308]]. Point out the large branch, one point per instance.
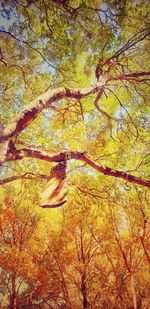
[[30, 113], [58, 157], [130, 77], [136, 38], [27, 115]]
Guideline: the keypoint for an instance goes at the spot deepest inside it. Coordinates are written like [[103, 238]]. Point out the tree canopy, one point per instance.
[[75, 77]]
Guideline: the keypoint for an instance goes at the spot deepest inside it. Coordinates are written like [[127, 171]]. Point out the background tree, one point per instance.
[[17, 226]]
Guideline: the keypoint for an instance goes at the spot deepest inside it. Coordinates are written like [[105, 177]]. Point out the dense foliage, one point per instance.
[[75, 78]]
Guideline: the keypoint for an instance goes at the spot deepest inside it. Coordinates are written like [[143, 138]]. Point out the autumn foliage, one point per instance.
[[74, 137]]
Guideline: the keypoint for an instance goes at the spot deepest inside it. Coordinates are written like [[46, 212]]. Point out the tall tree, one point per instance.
[[40, 63], [17, 228], [75, 93]]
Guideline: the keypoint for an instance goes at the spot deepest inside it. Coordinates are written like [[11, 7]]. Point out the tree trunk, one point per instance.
[[13, 299], [83, 291], [133, 291]]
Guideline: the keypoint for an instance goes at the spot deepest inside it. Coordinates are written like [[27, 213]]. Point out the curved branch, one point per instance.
[[115, 173], [58, 157], [130, 77], [137, 132], [24, 176], [30, 113], [136, 38], [105, 114]]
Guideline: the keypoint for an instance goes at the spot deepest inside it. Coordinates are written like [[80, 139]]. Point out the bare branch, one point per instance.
[[136, 38], [27, 43], [96, 101], [24, 176]]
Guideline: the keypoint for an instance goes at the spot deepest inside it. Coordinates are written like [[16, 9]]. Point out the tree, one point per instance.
[[17, 233], [34, 43], [74, 91]]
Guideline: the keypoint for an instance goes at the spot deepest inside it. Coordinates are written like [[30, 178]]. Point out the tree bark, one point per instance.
[[13, 298], [29, 114], [59, 157], [83, 290], [134, 298]]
